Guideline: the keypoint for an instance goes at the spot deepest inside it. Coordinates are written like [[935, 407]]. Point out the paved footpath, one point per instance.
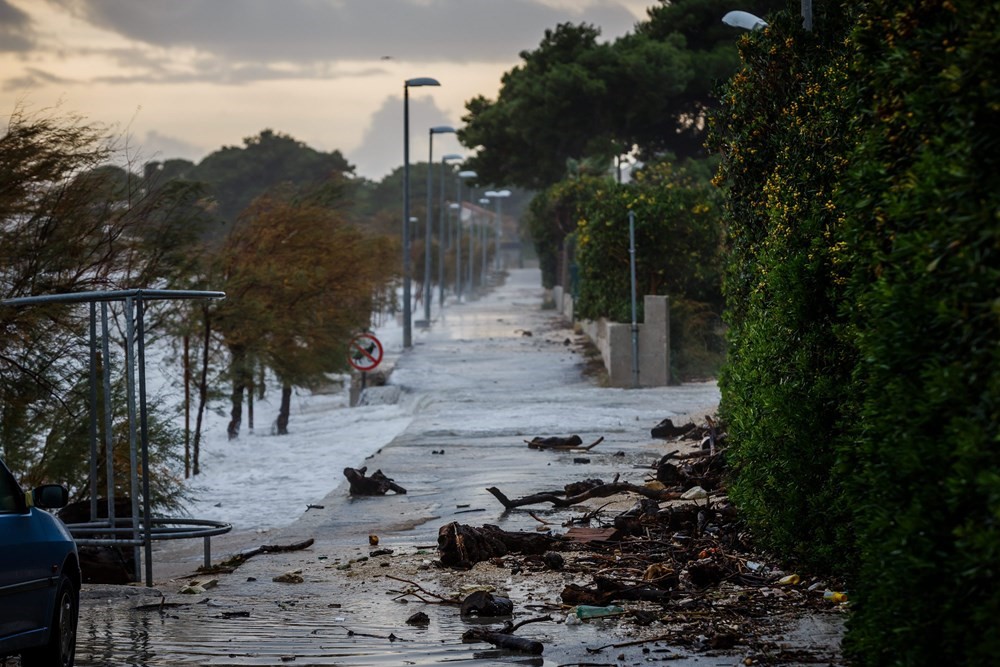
[[486, 376]]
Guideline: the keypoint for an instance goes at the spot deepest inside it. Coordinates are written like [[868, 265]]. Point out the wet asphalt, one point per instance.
[[486, 376]]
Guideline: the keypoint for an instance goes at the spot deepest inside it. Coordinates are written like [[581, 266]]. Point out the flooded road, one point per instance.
[[487, 376]]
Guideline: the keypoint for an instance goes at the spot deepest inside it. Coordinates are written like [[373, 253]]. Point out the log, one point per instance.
[[504, 641], [375, 485], [463, 546], [602, 491], [573, 442], [230, 564]]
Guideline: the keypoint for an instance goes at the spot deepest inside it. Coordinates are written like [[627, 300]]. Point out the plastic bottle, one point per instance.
[[590, 611], [835, 596]]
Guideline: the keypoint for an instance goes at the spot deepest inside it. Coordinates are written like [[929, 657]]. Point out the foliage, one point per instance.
[[576, 97], [237, 175], [781, 130], [923, 192], [68, 223], [862, 386], [300, 282], [677, 239]]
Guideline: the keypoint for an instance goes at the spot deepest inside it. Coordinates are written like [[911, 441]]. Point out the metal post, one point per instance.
[[93, 411], [109, 442], [458, 245], [427, 231], [441, 243], [147, 516], [132, 453], [496, 250], [407, 324], [635, 325], [807, 15], [472, 238]]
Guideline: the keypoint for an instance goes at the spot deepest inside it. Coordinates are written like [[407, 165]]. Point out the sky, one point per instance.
[[182, 78]]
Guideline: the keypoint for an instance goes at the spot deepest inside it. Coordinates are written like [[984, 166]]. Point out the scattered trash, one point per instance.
[[585, 611], [373, 540], [836, 597], [291, 577], [486, 605], [420, 618], [694, 493], [789, 580]]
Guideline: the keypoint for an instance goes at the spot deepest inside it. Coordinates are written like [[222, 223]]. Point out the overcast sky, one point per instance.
[[181, 78]]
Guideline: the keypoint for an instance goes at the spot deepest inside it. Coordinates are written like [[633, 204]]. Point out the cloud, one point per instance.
[[381, 148], [309, 31], [16, 31]]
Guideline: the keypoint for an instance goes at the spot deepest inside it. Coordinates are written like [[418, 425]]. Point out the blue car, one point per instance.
[[39, 576]]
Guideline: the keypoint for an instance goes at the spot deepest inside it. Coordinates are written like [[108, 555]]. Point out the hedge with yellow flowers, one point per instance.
[[863, 298]]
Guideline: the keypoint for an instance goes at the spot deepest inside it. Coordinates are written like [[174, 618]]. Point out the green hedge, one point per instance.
[[863, 296]]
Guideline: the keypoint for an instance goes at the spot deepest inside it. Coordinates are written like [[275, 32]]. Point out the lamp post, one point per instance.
[[407, 315], [440, 129], [482, 236], [441, 232], [458, 244], [499, 196]]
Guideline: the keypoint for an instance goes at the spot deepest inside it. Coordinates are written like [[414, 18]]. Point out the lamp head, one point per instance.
[[421, 81], [451, 156], [745, 20], [467, 174], [442, 129]]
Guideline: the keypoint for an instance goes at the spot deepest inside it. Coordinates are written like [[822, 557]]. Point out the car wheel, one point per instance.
[[61, 649]]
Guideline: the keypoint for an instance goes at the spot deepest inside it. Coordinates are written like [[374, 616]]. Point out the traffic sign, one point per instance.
[[365, 352]]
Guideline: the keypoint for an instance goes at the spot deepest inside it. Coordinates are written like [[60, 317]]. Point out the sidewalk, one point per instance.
[[484, 378]]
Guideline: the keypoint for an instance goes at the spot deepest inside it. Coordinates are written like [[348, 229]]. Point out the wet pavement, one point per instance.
[[484, 378]]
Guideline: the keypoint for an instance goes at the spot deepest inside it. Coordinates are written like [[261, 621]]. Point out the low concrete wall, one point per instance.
[[614, 340]]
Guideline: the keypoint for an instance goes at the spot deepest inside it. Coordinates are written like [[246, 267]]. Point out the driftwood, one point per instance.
[[666, 430], [505, 638], [606, 590], [463, 546], [375, 485], [602, 491], [230, 564], [572, 443]]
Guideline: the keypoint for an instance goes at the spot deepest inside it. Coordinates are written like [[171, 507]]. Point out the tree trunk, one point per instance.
[[250, 389], [238, 374], [286, 407], [202, 392]]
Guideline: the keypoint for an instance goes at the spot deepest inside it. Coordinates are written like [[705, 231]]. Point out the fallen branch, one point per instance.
[[440, 599], [375, 485], [230, 564], [572, 443], [602, 491], [505, 638]]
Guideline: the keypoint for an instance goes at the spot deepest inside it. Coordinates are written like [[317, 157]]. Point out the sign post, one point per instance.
[[364, 354]]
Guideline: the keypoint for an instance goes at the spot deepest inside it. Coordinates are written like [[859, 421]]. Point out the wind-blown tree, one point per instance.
[[68, 223], [300, 282]]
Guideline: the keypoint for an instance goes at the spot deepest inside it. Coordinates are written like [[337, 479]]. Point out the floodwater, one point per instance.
[[296, 631]]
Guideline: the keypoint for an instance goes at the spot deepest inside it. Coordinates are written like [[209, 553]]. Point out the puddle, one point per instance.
[[294, 632]]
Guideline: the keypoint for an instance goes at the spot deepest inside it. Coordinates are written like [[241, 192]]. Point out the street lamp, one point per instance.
[[499, 195], [441, 235], [482, 235], [745, 20], [440, 129], [462, 175], [407, 316]]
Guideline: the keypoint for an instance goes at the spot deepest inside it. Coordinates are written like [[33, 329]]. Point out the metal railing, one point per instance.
[[141, 533]]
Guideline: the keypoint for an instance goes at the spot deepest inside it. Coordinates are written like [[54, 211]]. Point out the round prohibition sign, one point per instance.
[[365, 352]]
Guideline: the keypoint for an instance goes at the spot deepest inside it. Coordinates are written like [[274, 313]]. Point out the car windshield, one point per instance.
[[9, 493]]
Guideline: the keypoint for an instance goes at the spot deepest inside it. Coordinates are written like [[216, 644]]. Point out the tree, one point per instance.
[[300, 282], [575, 97], [68, 223], [235, 176]]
